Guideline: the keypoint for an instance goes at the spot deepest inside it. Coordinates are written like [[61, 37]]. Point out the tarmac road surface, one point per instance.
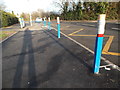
[[36, 58]]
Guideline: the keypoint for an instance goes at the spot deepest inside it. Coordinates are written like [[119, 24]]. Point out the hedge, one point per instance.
[[7, 19]]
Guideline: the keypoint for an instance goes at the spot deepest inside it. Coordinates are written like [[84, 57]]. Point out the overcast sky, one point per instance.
[[19, 6]]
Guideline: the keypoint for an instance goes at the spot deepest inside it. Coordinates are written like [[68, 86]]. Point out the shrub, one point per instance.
[[7, 19]]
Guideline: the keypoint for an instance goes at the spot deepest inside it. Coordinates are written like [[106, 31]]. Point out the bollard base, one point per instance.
[[96, 73]]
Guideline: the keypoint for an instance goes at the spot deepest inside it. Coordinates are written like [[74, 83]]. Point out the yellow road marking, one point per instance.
[[85, 35], [81, 35], [107, 45], [111, 53], [76, 31], [107, 35], [67, 26]]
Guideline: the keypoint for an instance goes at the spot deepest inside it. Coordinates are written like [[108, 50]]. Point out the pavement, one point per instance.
[[15, 27], [36, 58]]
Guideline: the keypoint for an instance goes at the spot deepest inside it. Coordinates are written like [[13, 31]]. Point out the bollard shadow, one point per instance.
[[55, 33], [43, 39], [56, 61], [81, 54], [27, 45]]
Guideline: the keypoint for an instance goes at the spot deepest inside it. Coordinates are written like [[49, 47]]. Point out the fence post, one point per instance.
[[58, 26], [99, 41]]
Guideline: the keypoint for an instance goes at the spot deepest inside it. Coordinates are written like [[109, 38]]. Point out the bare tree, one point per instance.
[[25, 16]]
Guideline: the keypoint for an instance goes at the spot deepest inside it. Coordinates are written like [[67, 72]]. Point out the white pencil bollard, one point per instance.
[[30, 19], [49, 24], [21, 22], [58, 26], [99, 42], [44, 21]]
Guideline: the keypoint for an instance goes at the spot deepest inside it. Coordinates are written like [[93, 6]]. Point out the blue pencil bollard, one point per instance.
[[58, 26], [49, 25], [98, 51], [44, 22], [99, 42]]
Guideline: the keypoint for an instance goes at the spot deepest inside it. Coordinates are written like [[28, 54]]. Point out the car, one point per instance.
[[38, 20]]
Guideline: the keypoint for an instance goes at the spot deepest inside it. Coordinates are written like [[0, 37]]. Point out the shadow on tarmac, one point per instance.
[[70, 52], [52, 67], [31, 65]]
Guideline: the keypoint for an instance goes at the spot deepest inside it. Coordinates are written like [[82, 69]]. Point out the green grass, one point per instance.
[[5, 34]]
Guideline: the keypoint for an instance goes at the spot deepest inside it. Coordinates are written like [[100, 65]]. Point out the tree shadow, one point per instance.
[[27, 45], [52, 68]]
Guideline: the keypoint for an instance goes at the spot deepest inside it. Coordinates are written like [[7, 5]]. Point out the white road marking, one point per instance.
[[116, 28], [88, 25], [117, 23], [107, 61]]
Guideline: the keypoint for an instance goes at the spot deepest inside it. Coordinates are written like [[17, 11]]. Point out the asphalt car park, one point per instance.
[[37, 58]]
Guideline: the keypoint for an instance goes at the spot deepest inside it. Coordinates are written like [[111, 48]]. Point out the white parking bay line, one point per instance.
[[88, 25], [102, 58], [116, 28]]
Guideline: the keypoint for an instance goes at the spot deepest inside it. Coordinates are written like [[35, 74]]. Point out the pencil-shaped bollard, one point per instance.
[[49, 24], [99, 42], [44, 22], [30, 19], [21, 22], [58, 26]]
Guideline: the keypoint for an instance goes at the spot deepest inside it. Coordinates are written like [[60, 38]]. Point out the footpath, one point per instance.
[[7, 32], [36, 58]]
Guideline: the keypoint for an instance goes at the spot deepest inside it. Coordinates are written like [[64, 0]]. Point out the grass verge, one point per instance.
[[5, 34]]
